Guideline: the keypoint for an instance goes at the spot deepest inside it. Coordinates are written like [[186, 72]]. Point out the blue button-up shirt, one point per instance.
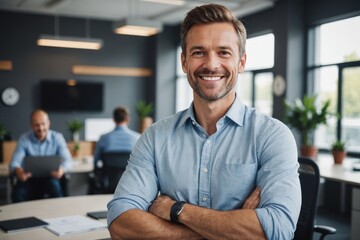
[[29, 145], [121, 138], [176, 157]]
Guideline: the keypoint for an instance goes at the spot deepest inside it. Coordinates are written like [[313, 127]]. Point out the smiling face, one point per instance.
[[40, 124], [212, 60]]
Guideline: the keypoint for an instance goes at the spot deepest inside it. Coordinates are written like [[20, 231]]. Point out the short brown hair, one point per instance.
[[120, 114], [212, 13]]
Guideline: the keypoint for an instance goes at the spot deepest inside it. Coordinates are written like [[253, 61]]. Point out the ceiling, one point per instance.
[[114, 10]]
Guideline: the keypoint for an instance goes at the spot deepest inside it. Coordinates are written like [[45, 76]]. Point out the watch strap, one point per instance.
[[175, 211]]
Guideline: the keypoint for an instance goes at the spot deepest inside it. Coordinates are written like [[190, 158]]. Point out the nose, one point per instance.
[[212, 61]]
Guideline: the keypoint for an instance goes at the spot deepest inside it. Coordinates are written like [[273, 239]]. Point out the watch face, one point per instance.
[[10, 96]]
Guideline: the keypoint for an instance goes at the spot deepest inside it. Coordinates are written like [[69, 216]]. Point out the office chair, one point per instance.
[[309, 179], [64, 183], [114, 164]]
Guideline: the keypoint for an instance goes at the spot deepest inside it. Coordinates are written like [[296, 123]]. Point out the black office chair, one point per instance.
[[309, 179], [64, 183], [114, 164]]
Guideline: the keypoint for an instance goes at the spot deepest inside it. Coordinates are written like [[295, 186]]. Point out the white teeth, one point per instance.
[[211, 78]]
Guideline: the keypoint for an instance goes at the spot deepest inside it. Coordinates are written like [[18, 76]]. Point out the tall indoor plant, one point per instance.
[[305, 116], [144, 111]]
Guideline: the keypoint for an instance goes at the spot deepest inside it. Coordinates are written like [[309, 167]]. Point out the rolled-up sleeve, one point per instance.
[[279, 179]]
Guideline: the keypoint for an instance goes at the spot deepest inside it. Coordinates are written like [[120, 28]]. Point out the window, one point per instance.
[[334, 73], [254, 86], [184, 95]]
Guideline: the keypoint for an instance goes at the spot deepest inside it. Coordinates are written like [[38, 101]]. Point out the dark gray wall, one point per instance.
[[166, 72], [289, 20], [32, 63]]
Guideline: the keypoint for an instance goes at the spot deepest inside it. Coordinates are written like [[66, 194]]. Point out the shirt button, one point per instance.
[[193, 122], [208, 141], [205, 170], [204, 199]]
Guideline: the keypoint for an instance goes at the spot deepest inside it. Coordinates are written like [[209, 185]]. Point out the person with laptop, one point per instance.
[[40, 141]]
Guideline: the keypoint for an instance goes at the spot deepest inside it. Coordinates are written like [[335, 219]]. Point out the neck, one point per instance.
[[208, 113]]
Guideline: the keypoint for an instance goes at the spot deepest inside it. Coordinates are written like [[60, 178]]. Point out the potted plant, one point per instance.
[[338, 151], [305, 116], [4, 134], [144, 111], [74, 127]]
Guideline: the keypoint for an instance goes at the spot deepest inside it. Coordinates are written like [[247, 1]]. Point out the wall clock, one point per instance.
[[10, 96], [279, 86]]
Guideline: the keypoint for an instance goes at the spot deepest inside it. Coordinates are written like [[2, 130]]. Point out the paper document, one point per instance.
[[73, 224]]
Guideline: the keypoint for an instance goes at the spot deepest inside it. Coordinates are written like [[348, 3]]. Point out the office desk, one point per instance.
[[346, 177], [52, 208], [79, 166], [341, 178], [338, 172]]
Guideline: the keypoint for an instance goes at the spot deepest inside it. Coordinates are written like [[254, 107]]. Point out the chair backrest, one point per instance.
[[114, 164], [309, 179]]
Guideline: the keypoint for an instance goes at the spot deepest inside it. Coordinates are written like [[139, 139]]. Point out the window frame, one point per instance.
[[313, 37]]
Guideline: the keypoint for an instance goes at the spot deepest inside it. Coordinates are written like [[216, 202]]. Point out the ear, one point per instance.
[[242, 63], [183, 63]]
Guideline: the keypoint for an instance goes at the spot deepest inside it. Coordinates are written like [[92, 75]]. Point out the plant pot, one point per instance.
[[76, 136], [145, 123], [309, 151], [338, 156]]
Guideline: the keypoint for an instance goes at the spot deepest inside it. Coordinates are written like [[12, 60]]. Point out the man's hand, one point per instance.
[[58, 173], [22, 175], [253, 200], [162, 204], [161, 207]]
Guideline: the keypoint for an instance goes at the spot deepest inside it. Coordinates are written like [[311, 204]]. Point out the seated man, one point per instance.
[[120, 139], [41, 141]]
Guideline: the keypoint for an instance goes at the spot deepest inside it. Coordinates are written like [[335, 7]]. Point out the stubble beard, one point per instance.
[[194, 83]]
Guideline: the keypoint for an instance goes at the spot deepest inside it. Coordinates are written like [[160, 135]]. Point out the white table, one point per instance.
[[51, 208], [345, 175], [338, 172]]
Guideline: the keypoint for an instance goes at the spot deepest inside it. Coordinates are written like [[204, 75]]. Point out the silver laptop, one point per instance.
[[41, 166]]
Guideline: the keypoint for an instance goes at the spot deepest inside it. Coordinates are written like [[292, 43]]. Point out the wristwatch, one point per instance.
[[175, 211]]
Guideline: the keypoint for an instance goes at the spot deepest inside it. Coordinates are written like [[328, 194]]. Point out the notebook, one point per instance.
[[98, 215], [41, 166], [21, 224]]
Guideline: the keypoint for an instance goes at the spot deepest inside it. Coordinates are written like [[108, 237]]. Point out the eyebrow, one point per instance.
[[201, 48]]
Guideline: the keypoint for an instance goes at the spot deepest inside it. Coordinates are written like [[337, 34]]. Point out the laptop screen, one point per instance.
[[41, 166]]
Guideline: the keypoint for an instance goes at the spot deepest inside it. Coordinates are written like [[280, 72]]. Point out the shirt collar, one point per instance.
[[236, 113], [187, 115], [35, 139], [120, 127]]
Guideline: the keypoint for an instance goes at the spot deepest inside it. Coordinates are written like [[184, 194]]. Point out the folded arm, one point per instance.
[[197, 222]]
